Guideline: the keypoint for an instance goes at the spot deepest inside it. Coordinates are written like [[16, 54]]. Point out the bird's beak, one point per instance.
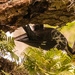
[[22, 37]]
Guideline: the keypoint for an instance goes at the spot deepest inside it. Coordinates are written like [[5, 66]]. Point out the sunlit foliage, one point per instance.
[[7, 45], [39, 62], [69, 32]]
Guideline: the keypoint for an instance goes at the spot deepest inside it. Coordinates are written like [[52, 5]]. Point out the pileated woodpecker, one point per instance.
[[46, 38]]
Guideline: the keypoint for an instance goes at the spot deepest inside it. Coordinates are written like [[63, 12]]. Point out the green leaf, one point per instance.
[[48, 63], [66, 73], [7, 45], [5, 73]]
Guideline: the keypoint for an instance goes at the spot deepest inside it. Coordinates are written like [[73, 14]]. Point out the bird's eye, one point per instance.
[[26, 25]]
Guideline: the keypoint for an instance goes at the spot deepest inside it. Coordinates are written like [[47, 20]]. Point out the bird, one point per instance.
[[46, 38]]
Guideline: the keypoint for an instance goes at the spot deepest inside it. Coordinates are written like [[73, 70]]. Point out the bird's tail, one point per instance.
[[70, 50]]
